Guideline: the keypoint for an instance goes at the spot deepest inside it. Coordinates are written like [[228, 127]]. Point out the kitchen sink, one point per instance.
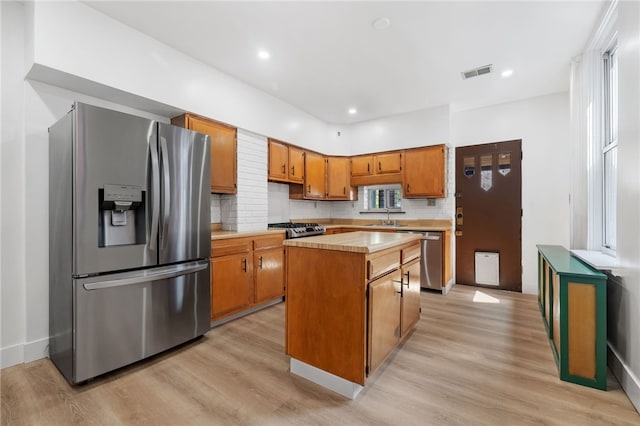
[[392, 225]]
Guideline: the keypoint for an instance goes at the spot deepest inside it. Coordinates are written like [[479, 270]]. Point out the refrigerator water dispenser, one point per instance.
[[121, 215]]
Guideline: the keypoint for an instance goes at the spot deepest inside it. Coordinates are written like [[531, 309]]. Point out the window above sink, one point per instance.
[[382, 198]]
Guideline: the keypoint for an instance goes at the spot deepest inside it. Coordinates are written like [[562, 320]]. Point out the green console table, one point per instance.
[[572, 298]]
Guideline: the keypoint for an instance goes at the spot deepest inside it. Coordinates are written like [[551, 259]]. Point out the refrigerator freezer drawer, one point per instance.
[[123, 318]]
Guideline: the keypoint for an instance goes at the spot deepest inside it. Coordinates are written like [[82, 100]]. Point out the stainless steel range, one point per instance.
[[297, 230]]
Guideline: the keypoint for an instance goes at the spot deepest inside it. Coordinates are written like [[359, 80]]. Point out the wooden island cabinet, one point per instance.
[[351, 299]]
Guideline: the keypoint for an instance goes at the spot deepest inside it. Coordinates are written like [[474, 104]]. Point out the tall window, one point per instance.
[[383, 197], [610, 149]]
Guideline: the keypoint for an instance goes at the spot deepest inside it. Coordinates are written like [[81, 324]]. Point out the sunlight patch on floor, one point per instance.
[[480, 297]]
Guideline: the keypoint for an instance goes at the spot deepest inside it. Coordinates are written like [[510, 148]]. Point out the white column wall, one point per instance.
[[247, 209], [543, 125]]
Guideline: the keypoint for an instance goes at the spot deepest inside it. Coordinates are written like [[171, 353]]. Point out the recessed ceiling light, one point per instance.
[[381, 23], [263, 54], [507, 73], [352, 111]]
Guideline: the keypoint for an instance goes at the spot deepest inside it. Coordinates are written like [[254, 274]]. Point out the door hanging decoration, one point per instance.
[[469, 164], [486, 172], [504, 163]]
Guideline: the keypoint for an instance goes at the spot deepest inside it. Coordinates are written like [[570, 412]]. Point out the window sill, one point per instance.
[[382, 211], [598, 260]]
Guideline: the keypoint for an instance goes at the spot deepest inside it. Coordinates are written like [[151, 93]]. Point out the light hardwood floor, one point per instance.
[[467, 363]]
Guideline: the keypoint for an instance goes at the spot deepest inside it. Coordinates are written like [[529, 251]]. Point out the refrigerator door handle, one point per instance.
[[166, 208], [155, 183], [156, 274]]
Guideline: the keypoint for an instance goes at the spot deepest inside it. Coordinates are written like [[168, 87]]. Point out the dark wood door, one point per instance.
[[489, 211]]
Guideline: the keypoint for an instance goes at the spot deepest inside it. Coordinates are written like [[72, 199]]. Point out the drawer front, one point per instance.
[[380, 265], [230, 246], [268, 241], [410, 253]]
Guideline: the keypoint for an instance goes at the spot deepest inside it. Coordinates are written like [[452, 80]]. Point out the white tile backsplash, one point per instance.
[[215, 208]]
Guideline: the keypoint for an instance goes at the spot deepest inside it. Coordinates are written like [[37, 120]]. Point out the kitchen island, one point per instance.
[[350, 300]]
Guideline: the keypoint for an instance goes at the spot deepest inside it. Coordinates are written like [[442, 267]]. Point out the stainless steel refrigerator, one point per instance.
[[129, 239]]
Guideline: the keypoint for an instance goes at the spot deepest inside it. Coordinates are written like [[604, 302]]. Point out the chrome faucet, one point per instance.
[[388, 221]]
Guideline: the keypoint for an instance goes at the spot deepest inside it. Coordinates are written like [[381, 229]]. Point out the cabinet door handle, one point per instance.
[[344, 190], [284, 168], [368, 167], [260, 263], [408, 278], [244, 265], [308, 188], [293, 170], [379, 166], [408, 188]]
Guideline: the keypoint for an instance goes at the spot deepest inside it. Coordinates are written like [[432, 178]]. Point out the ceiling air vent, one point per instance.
[[486, 69]]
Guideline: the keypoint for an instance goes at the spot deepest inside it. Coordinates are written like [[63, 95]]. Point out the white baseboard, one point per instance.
[[36, 350], [25, 352], [11, 355], [625, 376]]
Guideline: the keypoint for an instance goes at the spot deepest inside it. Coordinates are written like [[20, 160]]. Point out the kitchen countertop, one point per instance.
[[354, 242], [221, 235], [441, 228]]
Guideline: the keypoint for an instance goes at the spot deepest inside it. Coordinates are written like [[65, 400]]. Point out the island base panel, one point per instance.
[[330, 381]]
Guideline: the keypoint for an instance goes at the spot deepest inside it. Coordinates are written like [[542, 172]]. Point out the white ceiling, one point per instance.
[[326, 57]]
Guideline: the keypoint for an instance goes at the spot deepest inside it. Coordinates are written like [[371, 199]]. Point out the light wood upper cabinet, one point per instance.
[[223, 150], [424, 172], [338, 180], [296, 165], [314, 176], [286, 163], [388, 163], [278, 161], [362, 165], [376, 169]]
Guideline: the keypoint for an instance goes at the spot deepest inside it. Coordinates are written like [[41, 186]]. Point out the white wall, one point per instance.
[[75, 45], [12, 268], [419, 128], [623, 293], [543, 125]]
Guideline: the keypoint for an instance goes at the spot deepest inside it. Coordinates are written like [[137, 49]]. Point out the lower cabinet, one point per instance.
[[231, 284], [245, 272], [269, 274], [384, 318], [410, 295]]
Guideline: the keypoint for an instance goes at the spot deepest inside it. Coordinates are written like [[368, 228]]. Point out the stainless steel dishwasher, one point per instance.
[[431, 259]]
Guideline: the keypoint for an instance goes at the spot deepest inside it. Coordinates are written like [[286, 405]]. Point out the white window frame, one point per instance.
[[609, 147], [387, 189]]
